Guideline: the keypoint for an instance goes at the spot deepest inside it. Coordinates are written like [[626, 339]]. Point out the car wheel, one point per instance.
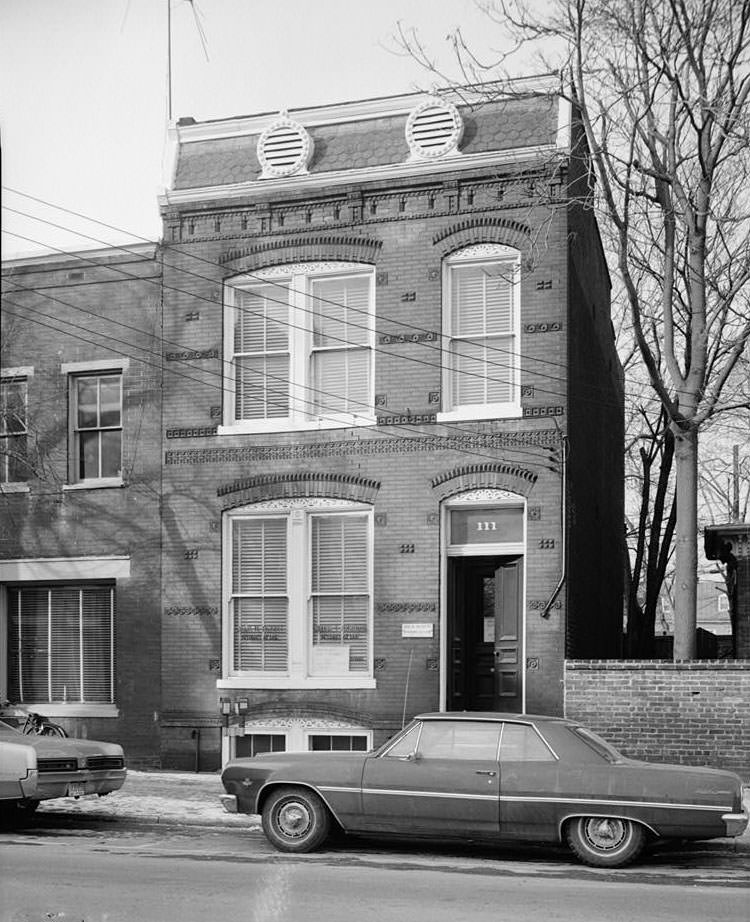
[[605, 841], [28, 806], [295, 819], [16, 812]]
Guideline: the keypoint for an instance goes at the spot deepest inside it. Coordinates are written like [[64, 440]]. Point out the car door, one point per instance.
[[440, 779], [530, 805]]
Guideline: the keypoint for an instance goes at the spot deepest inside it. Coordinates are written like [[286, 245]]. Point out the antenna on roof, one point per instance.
[[197, 15]]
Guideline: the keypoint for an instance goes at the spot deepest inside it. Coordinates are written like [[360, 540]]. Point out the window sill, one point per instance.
[[18, 487], [483, 411], [295, 425], [281, 682], [79, 709], [98, 484]]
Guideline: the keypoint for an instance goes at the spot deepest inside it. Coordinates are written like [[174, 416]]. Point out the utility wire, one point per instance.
[[420, 435], [214, 265], [286, 288], [289, 289], [442, 351], [282, 393]]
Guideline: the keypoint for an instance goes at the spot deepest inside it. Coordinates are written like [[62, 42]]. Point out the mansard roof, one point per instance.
[[369, 136]]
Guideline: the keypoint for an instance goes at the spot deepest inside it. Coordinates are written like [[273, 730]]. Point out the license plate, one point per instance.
[[77, 789]]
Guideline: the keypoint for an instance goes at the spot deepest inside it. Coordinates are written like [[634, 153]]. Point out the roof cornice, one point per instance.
[[116, 252], [299, 184]]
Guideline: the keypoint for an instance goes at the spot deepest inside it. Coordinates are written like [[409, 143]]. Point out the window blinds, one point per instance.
[[61, 644]]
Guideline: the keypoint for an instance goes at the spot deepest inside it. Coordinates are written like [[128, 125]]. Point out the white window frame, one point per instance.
[[75, 371], [294, 282], [48, 570], [478, 254], [69, 708], [296, 732], [299, 629], [11, 376]]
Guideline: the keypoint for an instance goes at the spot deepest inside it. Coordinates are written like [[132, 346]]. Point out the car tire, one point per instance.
[[27, 807], [16, 812], [295, 819], [605, 841]]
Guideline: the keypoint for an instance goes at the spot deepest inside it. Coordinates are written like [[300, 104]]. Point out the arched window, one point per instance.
[[298, 347], [481, 286]]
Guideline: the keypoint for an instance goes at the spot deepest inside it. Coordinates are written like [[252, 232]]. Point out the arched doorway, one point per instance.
[[483, 623]]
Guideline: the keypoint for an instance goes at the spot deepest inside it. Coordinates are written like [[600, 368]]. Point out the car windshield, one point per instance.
[[595, 742]]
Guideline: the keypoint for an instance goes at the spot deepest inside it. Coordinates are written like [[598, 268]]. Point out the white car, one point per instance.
[[35, 768]]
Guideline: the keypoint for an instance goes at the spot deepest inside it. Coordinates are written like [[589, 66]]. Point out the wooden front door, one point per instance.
[[485, 634]]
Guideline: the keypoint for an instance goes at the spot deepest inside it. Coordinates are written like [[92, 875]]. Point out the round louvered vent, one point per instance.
[[434, 129], [284, 148]]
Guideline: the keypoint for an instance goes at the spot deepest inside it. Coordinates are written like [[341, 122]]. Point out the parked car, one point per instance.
[[39, 767], [502, 777]]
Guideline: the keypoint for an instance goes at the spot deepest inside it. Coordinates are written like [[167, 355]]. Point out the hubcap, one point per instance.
[[604, 833], [293, 819]]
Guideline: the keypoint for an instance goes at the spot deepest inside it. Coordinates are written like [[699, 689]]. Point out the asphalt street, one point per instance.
[[163, 849]]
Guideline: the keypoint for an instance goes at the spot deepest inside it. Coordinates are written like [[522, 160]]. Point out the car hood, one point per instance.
[[54, 747]]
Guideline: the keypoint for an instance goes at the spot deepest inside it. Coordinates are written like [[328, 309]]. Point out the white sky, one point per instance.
[[83, 91]]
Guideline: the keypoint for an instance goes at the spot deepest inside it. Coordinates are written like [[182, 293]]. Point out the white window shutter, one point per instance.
[[481, 352], [259, 586], [261, 353], [340, 593]]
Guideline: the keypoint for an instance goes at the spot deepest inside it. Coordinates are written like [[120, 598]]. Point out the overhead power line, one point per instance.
[[540, 461], [426, 344]]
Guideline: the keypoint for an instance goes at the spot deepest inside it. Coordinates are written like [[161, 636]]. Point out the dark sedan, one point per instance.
[[502, 777]]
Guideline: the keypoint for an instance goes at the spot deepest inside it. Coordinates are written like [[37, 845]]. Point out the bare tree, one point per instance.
[[661, 89]]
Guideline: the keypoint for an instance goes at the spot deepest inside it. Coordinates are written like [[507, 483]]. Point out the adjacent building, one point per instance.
[[80, 487]]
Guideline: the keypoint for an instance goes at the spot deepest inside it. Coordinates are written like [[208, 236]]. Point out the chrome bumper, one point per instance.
[[736, 823], [229, 803]]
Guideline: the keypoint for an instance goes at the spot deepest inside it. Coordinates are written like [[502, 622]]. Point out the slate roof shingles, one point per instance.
[[503, 125]]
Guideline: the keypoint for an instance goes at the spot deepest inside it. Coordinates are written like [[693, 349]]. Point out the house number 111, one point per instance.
[[486, 526]]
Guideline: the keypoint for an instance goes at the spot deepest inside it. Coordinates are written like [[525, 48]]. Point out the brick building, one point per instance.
[[393, 466], [80, 439]]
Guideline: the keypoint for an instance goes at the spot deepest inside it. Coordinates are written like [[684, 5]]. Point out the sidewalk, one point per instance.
[[185, 799], [170, 798]]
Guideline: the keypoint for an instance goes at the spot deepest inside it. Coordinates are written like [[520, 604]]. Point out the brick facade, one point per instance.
[[222, 220], [99, 310], [693, 713]]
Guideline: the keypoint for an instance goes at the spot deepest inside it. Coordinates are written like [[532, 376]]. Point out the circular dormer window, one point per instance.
[[434, 129], [284, 148]]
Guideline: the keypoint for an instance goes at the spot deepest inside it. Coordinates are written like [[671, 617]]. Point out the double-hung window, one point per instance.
[[61, 642], [299, 605], [96, 427], [13, 429], [480, 333], [299, 348]]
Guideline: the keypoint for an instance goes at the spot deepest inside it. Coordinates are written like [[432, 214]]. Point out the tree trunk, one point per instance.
[[686, 543]]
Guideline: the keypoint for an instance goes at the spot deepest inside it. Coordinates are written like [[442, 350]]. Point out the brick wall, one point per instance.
[[694, 713], [86, 309]]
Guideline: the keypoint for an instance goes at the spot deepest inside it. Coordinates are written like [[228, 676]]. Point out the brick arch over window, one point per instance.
[[273, 709], [484, 230], [510, 477], [298, 485], [310, 248]]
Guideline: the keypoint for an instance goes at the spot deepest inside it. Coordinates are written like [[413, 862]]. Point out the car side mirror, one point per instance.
[[412, 757]]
